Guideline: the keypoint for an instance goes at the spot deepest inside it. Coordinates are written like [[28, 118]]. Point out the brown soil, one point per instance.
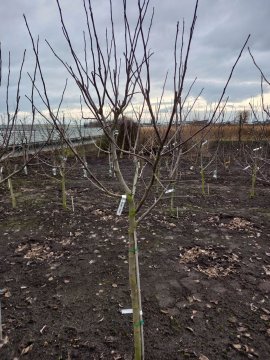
[[205, 271]]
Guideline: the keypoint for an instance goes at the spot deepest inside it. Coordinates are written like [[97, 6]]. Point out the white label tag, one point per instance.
[[169, 191], [121, 205], [256, 149], [128, 311]]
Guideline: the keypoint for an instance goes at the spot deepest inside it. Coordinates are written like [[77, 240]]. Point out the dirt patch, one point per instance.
[[209, 262], [205, 271]]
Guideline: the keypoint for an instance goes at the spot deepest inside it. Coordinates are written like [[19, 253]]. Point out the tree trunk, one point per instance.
[[134, 282], [12, 195], [172, 200], [240, 132], [63, 189], [253, 181], [203, 180]]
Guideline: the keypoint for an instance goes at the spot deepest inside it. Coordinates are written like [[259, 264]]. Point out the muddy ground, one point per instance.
[[205, 270]]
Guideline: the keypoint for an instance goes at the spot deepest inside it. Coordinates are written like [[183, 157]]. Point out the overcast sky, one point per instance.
[[221, 29]]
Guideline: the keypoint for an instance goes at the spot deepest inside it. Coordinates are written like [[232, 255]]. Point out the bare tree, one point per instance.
[[109, 79], [257, 155], [15, 133], [243, 117], [8, 139], [9, 117]]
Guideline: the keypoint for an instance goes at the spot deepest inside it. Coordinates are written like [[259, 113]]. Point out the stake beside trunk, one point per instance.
[[134, 282]]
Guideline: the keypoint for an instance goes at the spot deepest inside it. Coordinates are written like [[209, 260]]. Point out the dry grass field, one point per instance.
[[216, 132]]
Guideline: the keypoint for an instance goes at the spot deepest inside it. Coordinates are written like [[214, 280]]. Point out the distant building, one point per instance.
[[199, 122]]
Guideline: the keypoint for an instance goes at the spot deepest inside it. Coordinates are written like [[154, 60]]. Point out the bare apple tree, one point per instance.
[[256, 156], [16, 133], [12, 132], [113, 77], [9, 119]]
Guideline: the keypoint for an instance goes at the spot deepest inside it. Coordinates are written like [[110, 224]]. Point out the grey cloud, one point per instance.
[[222, 27]]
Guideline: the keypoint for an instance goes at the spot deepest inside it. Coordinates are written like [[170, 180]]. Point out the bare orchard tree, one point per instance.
[[15, 133], [54, 162], [110, 81], [258, 156], [253, 158], [9, 119], [8, 127]]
